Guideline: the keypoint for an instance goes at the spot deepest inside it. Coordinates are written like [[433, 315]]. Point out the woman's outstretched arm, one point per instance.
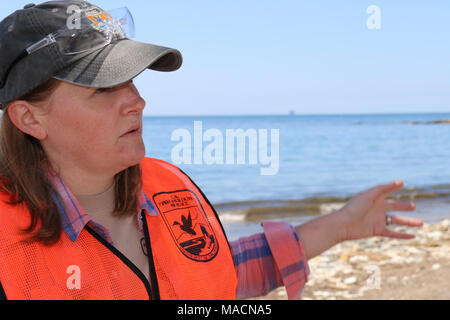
[[363, 216]]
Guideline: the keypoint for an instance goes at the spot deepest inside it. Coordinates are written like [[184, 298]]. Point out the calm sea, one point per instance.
[[319, 156]]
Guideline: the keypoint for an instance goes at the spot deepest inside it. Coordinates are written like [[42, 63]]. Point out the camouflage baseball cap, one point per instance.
[[37, 26]]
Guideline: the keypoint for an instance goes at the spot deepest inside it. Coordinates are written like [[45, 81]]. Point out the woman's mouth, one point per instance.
[[133, 133]]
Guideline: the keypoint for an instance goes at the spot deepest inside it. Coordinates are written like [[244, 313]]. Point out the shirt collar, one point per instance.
[[74, 218]]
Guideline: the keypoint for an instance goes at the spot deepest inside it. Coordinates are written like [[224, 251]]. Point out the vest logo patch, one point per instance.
[[188, 224]]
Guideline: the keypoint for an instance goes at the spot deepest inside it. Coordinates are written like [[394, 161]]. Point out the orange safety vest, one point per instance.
[[189, 254]]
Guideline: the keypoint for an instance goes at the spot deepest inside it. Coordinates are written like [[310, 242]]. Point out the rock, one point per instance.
[[344, 257], [347, 270], [376, 256], [358, 259], [337, 286], [444, 121], [435, 235], [331, 273], [392, 279], [435, 266], [322, 294], [413, 251], [347, 295], [311, 282], [414, 243], [413, 260], [323, 259], [433, 244], [439, 122], [396, 259], [350, 280]]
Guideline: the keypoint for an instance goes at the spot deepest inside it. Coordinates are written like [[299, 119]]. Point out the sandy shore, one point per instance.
[[382, 269]]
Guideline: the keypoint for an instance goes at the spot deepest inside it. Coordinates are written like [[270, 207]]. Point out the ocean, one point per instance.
[[321, 160]]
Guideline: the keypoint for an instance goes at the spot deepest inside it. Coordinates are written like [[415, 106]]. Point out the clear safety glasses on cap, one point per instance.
[[89, 32]]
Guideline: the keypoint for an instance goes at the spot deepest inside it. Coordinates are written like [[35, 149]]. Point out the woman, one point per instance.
[[83, 213]]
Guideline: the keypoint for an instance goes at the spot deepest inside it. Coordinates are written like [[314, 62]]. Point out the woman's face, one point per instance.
[[95, 129]]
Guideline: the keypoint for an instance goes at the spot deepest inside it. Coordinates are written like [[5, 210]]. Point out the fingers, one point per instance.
[[386, 189], [401, 221], [392, 205], [406, 221]]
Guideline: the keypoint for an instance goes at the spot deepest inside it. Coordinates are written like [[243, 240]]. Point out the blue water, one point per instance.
[[318, 155]]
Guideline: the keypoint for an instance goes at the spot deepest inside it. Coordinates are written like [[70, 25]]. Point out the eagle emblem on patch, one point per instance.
[[188, 224]]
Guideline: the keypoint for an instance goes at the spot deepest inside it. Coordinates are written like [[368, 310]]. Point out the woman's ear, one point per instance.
[[23, 116]]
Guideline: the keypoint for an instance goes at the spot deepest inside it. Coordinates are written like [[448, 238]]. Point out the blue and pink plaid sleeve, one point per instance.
[[266, 261]]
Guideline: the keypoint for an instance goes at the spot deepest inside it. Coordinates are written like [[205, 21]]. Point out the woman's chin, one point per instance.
[[134, 156]]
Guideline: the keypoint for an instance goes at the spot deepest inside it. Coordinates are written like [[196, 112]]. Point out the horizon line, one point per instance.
[[297, 114]]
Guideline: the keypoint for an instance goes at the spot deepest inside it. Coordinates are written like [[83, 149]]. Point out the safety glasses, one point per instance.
[[90, 32]]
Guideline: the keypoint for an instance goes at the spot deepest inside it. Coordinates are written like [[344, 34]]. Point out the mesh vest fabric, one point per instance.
[[192, 264], [32, 271]]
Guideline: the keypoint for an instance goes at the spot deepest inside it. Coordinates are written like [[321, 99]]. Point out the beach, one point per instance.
[[382, 269], [376, 268]]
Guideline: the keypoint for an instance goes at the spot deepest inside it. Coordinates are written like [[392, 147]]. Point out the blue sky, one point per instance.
[[313, 57]]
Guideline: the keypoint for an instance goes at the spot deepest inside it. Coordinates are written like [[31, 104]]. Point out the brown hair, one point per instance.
[[22, 172]]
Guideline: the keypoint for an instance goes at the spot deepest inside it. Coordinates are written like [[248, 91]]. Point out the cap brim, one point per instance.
[[120, 62]]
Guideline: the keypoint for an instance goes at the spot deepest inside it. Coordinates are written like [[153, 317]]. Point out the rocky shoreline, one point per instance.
[[447, 121], [382, 268]]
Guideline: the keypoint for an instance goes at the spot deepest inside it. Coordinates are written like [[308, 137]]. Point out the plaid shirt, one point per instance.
[[263, 262]]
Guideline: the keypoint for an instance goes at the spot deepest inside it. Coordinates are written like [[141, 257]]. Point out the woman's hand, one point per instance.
[[365, 214]]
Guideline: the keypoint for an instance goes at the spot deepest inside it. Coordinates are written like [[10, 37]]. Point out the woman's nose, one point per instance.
[[132, 101]]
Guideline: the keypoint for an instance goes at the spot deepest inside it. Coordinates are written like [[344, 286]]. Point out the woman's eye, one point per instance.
[[100, 90]]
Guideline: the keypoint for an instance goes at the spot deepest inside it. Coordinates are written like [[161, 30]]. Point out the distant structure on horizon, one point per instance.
[[292, 113]]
